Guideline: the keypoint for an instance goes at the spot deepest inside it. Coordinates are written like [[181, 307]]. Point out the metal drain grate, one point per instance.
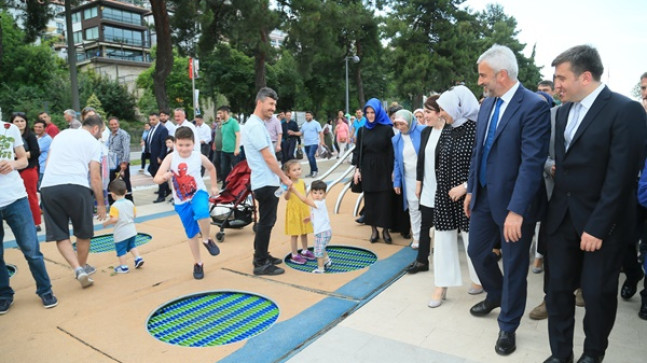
[[344, 259], [212, 318], [106, 242]]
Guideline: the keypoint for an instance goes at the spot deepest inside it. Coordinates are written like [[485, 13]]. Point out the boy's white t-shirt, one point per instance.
[[319, 217], [11, 184], [69, 159], [124, 210], [187, 178]]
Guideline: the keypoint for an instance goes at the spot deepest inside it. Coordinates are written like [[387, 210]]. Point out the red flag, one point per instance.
[[190, 68]]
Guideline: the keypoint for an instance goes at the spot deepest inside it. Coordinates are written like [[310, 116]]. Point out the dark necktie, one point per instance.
[[489, 140]]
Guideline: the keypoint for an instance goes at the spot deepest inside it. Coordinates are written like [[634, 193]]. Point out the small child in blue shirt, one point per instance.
[[122, 215]]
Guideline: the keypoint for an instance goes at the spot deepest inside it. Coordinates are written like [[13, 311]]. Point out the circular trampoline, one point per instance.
[[344, 259], [106, 242], [11, 269], [212, 318]]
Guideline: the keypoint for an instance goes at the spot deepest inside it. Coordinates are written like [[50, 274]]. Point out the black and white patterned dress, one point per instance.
[[454, 156]]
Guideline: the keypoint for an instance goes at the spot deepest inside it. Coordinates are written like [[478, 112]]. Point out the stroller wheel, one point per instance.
[[220, 236]]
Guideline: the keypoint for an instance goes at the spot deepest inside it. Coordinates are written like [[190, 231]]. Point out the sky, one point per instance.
[[612, 27]]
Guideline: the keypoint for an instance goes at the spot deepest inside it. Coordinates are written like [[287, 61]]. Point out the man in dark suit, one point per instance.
[[600, 140], [505, 190], [156, 146]]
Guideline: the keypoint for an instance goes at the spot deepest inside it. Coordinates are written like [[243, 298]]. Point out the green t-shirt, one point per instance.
[[229, 130]]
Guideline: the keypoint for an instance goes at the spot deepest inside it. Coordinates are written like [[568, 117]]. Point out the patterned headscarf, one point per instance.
[[460, 103], [380, 115], [405, 116]]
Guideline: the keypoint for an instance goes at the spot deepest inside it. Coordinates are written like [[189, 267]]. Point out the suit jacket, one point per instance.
[[157, 146], [516, 160], [595, 180]]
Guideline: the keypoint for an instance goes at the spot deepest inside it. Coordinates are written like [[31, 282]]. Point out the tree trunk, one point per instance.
[[164, 55], [360, 87], [259, 61], [1, 48]]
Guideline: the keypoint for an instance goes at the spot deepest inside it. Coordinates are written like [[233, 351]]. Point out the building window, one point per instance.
[[119, 35], [76, 17], [128, 55], [90, 13], [60, 28], [121, 16], [78, 38], [92, 33]]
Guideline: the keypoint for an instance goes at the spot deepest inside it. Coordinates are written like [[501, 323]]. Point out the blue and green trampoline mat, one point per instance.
[[212, 318], [344, 259], [106, 242]]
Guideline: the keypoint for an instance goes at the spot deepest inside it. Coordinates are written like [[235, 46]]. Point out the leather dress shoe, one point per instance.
[[629, 287], [484, 307], [585, 358], [159, 200], [642, 313], [417, 267], [406, 235], [553, 359], [505, 344], [387, 237]]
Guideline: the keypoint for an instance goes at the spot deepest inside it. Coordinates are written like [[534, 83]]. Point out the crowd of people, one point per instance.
[[564, 162]]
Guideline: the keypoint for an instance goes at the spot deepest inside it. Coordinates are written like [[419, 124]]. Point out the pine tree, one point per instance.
[[93, 101]]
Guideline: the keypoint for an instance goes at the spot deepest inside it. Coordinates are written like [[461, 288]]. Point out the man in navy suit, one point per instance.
[[156, 146], [600, 140], [505, 188]]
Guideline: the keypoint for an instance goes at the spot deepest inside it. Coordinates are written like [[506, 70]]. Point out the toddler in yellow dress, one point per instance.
[[297, 215]]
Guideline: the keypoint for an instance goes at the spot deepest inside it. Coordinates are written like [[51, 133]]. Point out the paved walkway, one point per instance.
[[377, 314]]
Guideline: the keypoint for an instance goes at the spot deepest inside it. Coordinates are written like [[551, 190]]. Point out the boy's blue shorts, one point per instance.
[[125, 246], [194, 210]]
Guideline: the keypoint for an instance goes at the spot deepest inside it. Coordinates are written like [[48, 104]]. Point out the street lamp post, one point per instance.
[[355, 60]]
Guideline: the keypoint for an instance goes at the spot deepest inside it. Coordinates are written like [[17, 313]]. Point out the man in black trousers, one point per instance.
[[156, 146], [600, 140]]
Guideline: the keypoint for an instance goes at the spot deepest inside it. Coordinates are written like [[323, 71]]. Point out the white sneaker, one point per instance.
[[83, 278], [318, 271]]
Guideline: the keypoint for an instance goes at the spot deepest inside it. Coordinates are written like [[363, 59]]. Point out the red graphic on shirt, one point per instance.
[[183, 183]]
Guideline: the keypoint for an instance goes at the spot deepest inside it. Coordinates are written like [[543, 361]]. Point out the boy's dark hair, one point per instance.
[[118, 187], [184, 133], [319, 185], [169, 137]]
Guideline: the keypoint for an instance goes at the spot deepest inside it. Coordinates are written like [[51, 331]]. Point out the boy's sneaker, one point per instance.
[[318, 271], [211, 246], [123, 269], [83, 277], [328, 263], [49, 300], [268, 269], [89, 269], [308, 255], [139, 262], [5, 304], [298, 259], [198, 271]]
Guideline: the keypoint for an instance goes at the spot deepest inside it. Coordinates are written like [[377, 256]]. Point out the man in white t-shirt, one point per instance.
[[180, 121], [14, 208], [66, 193], [170, 126]]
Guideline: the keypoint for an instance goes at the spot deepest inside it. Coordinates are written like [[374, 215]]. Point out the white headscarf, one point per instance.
[[460, 103]]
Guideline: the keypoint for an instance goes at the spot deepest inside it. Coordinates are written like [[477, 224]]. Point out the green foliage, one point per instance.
[[231, 73], [178, 85], [93, 101], [114, 97], [36, 16]]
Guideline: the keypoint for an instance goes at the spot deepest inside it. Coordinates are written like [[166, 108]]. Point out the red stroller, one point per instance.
[[234, 206]]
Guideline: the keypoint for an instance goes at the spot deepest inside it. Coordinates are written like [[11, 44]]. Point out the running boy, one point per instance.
[[190, 196], [122, 215], [320, 221]]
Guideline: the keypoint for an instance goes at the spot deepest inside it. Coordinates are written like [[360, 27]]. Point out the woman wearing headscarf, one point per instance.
[[426, 182], [373, 159], [405, 148], [458, 108], [419, 114]]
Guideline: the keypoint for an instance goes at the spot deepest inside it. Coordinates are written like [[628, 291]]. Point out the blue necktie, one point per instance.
[[489, 139]]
